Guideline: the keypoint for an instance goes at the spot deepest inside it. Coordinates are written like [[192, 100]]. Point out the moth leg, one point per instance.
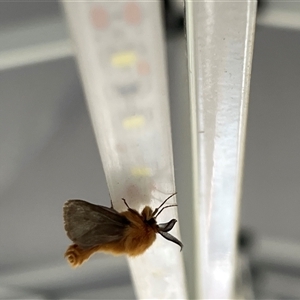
[[126, 203], [111, 203], [76, 256], [130, 209]]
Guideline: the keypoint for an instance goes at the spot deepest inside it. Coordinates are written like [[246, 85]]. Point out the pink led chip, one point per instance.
[[143, 67], [132, 13], [99, 17]]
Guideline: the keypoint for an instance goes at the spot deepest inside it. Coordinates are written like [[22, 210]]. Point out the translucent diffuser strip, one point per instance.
[[120, 50], [220, 42]]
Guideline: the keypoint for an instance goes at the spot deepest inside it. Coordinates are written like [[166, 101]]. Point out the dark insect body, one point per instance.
[[94, 228]]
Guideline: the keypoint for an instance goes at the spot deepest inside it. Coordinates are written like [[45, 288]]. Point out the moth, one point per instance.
[[94, 228]]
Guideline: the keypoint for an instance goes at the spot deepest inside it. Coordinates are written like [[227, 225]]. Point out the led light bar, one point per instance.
[[121, 55]]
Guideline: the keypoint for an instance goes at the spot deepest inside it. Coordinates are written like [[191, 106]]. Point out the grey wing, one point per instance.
[[88, 225]]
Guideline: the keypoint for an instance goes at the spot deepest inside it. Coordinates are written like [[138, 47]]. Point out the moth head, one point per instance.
[[163, 228], [147, 213]]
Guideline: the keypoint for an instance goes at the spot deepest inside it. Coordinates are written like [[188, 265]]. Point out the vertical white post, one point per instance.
[[121, 55], [220, 43]]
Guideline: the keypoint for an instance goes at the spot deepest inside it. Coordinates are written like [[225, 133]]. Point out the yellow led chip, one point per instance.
[[141, 171], [123, 59], [134, 122]]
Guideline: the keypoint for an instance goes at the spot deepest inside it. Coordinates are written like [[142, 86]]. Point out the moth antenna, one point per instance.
[[164, 208], [156, 209]]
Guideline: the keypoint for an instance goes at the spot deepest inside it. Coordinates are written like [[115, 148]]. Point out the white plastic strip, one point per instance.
[[220, 43], [121, 55]]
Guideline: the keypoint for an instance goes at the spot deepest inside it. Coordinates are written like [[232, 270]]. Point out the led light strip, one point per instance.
[[120, 51]]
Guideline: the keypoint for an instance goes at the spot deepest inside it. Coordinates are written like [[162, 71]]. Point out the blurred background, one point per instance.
[[48, 154]]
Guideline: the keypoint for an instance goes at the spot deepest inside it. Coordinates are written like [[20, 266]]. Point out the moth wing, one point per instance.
[[88, 225]]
